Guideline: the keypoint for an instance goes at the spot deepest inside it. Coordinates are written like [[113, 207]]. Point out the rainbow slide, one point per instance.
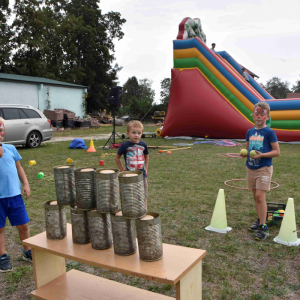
[[210, 98]]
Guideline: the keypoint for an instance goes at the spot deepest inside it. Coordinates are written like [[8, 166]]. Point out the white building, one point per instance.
[[39, 92]]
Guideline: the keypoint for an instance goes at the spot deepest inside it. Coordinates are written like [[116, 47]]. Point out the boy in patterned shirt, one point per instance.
[[136, 153]]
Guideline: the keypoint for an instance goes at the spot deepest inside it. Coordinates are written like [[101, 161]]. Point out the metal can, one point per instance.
[[132, 194], [80, 229], [123, 235], [56, 221], [85, 188], [149, 237], [64, 178], [100, 230], [107, 190]]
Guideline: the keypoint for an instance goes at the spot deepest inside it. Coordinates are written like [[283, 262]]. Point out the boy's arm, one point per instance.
[[23, 179], [119, 164], [275, 152], [146, 162]]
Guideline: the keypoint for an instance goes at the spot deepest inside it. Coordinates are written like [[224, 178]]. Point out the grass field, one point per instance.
[[183, 188]]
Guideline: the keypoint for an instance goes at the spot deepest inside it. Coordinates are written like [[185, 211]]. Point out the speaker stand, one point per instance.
[[112, 138]]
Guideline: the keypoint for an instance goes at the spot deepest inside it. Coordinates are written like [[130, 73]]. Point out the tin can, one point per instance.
[[149, 238], [100, 230], [56, 221], [132, 194]]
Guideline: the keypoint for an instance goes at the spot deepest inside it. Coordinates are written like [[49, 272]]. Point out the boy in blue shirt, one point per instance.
[[11, 202], [263, 141], [136, 153]]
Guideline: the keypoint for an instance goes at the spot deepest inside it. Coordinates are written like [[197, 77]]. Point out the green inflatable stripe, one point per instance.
[[285, 124], [194, 62]]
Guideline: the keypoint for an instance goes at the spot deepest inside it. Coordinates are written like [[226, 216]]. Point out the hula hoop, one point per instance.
[[236, 187], [234, 155]]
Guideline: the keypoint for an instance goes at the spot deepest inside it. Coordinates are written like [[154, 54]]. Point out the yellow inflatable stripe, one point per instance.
[[194, 52], [285, 115]]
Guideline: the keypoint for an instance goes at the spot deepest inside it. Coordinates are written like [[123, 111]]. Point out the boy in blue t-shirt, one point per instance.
[[263, 141], [11, 201], [136, 153]]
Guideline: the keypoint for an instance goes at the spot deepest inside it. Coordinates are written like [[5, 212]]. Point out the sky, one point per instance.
[[263, 36]]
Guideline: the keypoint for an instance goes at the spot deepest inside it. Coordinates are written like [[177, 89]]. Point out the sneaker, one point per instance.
[[27, 255], [262, 232], [255, 226], [5, 265]]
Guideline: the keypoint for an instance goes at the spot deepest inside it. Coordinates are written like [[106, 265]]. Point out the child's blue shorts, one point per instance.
[[14, 209]]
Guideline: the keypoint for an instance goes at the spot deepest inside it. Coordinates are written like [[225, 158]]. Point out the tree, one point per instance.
[[277, 88], [165, 86], [296, 87], [5, 37], [138, 97], [65, 40], [130, 90], [28, 40]]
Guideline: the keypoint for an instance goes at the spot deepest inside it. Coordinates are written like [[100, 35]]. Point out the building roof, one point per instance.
[[293, 95], [37, 80]]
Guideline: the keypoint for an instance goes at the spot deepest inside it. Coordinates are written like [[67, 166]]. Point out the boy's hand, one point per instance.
[[26, 189], [257, 156], [243, 155], [1, 151]]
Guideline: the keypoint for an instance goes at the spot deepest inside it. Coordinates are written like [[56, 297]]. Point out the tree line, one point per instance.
[[70, 41]]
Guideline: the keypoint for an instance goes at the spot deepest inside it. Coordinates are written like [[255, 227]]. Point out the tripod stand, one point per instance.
[[112, 138]]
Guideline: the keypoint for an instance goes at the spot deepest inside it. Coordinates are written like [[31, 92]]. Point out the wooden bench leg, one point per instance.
[[46, 267], [190, 285]]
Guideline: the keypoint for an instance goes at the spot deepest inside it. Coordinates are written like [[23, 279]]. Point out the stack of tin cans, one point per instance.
[[96, 217]]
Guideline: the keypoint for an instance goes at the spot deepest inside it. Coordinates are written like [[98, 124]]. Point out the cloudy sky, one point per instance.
[[264, 36]]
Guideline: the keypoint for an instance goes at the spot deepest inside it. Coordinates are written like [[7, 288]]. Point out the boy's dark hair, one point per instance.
[[243, 69], [263, 105], [134, 123], [213, 44]]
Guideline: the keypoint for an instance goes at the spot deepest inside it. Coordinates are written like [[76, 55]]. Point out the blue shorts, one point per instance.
[[14, 209]]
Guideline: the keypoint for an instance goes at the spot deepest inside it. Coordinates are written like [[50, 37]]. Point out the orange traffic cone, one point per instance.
[[92, 148]]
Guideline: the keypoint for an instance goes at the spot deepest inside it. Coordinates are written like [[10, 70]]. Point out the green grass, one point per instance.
[[103, 129], [183, 188]]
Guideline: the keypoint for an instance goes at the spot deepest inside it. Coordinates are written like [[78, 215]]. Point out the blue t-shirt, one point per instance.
[[260, 140], [10, 185], [134, 155]]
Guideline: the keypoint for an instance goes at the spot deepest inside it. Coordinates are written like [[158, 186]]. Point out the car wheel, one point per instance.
[[34, 139]]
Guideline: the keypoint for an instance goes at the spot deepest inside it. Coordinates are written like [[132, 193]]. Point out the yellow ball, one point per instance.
[[253, 153], [70, 160], [244, 152]]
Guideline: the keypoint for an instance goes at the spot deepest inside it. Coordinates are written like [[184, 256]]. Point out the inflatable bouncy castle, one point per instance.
[[209, 96]]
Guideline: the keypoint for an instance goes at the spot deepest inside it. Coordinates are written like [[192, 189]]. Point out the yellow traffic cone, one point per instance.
[[219, 220], [288, 230], [92, 148]]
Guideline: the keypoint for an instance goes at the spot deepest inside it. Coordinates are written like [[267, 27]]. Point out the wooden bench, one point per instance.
[[179, 266]]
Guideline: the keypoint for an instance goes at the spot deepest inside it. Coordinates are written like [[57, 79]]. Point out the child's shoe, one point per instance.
[[27, 256], [255, 226], [262, 232], [5, 265]]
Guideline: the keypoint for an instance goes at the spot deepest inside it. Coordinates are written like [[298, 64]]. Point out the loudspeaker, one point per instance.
[[115, 96]]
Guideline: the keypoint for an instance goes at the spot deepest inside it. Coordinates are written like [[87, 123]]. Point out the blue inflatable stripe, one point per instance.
[[276, 105], [225, 55]]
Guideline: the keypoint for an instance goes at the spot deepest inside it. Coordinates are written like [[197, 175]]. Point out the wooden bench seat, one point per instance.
[[77, 285]]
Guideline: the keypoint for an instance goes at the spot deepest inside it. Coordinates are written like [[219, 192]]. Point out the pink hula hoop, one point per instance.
[[236, 187], [234, 155]]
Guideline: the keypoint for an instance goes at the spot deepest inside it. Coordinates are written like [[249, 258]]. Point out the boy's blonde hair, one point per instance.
[[2, 120], [134, 124], [263, 105]]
